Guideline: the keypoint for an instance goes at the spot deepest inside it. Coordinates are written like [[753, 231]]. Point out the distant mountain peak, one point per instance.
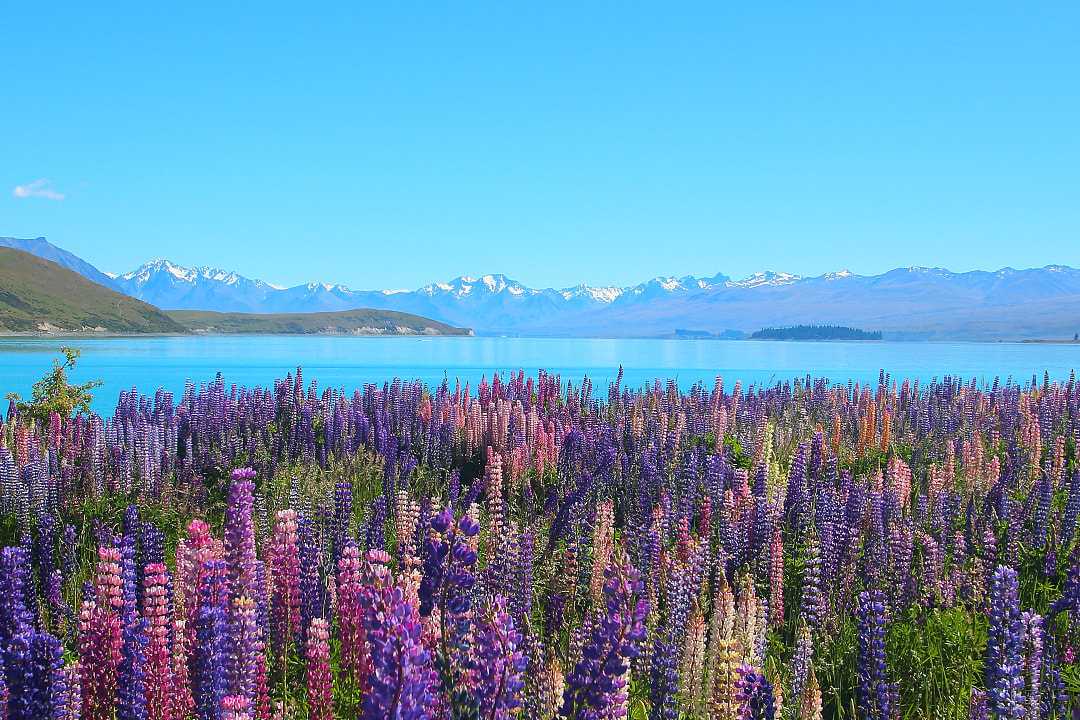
[[938, 303], [765, 278]]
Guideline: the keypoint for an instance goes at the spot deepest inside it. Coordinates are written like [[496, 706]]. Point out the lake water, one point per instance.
[[349, 362]]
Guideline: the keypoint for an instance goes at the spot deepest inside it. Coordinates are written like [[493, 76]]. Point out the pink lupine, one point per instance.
[[183, 702], [159, 686], [236, 707], [776, 579], [191, 556], [285, 567], [319, 684], [354, 657]]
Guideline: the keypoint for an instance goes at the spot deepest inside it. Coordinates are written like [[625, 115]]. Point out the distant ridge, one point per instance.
[[346, 322], [42, 248], [37, 295], [915, 303]]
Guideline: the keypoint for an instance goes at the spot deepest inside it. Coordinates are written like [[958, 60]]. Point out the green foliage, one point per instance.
[[937, 658], [738, 457], [53, 393]]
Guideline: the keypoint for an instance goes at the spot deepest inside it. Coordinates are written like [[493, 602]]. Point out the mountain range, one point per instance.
[[904, 303]]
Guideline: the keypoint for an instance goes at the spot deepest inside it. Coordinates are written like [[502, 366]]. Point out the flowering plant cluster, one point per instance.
[[525, 549]]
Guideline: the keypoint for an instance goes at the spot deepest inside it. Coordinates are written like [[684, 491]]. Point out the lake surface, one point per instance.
[[349, 362]]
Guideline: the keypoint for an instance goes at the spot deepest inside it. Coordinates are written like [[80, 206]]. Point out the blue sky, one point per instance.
[[391, 144]]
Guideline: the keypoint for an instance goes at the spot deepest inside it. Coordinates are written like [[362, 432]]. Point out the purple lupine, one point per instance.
[[240, 534], [131, 684], [1069, 602], [1032, 660], [402, 678], [313, 597], [664, 676], [755, 695], [341, 532], [448, 578], [1054, 696], [876, 693], [15, 617], [210, 679], [801, 660], [1004, 661], [811, 604], [495, 677], [37, 681], [597, 684], [244, 648]]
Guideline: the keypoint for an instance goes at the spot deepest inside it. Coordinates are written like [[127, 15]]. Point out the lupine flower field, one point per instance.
[[536, 548]]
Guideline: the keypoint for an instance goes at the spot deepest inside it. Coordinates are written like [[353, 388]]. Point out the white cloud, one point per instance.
[[39, 188]]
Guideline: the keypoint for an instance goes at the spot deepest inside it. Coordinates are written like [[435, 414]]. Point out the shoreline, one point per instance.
[[81, 335]]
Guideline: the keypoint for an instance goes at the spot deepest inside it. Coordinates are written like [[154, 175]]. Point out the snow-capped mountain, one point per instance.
[[910, 302], [171, 286], [906, 302]]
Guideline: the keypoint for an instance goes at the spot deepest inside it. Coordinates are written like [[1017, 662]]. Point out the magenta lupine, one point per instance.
[[319, 685], [100, 642]]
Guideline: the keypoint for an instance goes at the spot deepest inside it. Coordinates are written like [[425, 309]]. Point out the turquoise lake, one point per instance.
[[349, 362]]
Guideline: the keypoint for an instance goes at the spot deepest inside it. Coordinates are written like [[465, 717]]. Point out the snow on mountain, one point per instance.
[[912, 301], [767, 278]]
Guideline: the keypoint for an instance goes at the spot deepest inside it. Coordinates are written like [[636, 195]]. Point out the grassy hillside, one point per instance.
[[38, 295], [345, 322]]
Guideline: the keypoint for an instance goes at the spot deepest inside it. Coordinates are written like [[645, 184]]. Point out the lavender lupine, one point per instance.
[[240, 534]]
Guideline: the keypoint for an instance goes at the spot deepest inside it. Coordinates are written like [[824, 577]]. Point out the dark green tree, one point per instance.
[[53, 393]]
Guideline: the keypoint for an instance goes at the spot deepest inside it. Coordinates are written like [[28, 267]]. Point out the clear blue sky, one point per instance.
[[391, 144]]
